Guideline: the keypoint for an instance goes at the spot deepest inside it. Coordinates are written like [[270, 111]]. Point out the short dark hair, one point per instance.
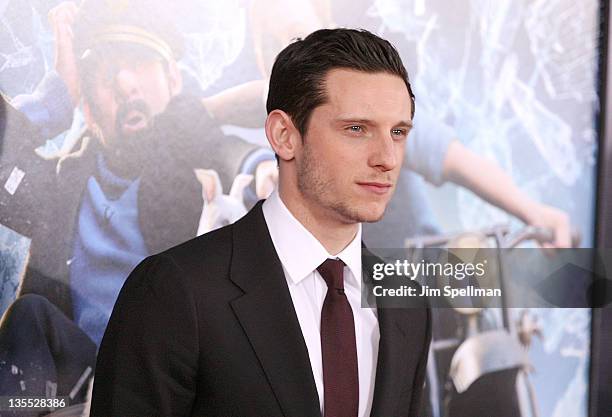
[[297, 81]]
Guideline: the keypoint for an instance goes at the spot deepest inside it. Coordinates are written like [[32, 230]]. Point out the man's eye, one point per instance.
[[399, 132], [356, 129]]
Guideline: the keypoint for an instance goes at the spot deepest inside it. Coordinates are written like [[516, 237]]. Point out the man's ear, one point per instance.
[[175, 79], [282, 134]]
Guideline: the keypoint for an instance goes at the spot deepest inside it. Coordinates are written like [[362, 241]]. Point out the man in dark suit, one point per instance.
[[263, 317]]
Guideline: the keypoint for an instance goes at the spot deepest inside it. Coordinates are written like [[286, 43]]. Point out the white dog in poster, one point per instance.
[[220, 209]]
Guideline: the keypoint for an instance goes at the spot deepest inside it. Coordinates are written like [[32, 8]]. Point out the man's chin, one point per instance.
[[370, 214], [375, 210], [373, 218]]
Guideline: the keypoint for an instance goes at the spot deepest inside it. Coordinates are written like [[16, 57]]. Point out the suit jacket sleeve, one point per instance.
[[148, 358]]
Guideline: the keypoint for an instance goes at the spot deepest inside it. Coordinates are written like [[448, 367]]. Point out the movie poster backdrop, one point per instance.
[[129, 126]]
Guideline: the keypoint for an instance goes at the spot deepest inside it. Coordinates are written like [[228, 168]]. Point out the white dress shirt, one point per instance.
[[301, 253]]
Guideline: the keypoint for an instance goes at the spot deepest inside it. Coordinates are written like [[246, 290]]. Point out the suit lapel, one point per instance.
[[267, 315], [391, 365], [392, 350]]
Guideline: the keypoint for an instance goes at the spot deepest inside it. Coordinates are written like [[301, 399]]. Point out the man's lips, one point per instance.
[[134, 120], [379, 188]]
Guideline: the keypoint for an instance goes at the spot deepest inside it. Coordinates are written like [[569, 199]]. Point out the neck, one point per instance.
[[332, 233]]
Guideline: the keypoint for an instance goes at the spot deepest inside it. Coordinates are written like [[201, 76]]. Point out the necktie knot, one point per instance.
[[332, 271]]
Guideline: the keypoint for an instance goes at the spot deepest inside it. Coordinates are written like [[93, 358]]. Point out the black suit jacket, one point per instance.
[[208, 328]]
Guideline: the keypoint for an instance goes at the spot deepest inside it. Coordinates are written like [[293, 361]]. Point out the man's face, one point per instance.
[[353, 150], [126, 92]]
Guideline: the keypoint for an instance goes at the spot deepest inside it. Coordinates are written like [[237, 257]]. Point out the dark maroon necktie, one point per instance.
[[338, 348]]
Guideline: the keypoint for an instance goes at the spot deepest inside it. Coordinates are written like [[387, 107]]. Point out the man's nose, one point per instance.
[[384, 153], [126, 84]]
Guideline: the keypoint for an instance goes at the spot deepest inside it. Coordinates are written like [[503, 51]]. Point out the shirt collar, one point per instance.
[[298, 250]]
